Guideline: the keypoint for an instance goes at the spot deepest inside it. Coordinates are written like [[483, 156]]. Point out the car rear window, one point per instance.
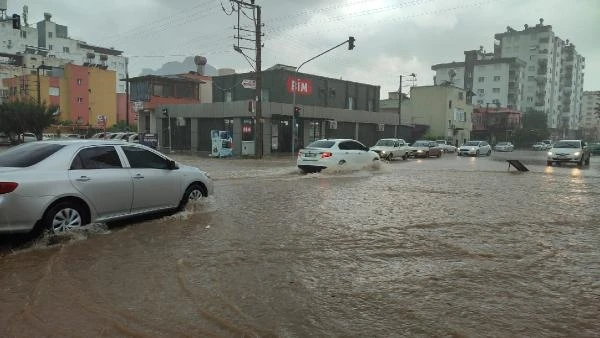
[[321, 144], [27, 154]]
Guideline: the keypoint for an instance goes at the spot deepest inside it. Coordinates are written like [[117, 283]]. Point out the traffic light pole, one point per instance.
[[350, 42]]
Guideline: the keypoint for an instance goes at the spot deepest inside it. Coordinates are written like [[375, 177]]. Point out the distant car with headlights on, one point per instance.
[[446, 146], [65, 184], [569, 151], [335, 153], [390, 148], [504, 146], [425, 149], [475, 148]]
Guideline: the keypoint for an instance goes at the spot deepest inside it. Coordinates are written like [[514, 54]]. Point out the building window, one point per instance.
[[480, 91], [529, 98], [50, 47], [79, 82], [80, 99], [265, 95], [496, 102], [66, 49], [49, 34], [461, 96], [370, 105], [496, 90], [481, 79], [228, 97], [449, 104], [480, 102], [350, 103], [496, 78], [24, 34]]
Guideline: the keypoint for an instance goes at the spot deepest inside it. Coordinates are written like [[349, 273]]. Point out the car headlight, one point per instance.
[[576, 153], [550, 153], [419, 151], [383, 151], [472, 148]]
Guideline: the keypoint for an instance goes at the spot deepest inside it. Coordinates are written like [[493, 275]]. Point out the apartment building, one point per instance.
[[590, 121], [554, 74], [486, 78]]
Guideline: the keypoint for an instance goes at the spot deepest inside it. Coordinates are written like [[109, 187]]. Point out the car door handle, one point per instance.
[[138, 176], [83, 179]]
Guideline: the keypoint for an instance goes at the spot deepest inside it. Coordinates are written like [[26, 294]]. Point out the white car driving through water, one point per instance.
[[335, 153]]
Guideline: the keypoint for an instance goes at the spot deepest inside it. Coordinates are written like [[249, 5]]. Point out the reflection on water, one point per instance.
[[433, 247]]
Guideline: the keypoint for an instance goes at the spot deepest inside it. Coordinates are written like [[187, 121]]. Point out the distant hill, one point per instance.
[[175, 67]]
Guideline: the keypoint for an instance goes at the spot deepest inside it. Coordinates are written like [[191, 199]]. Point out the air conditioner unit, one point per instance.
[[332, 124]]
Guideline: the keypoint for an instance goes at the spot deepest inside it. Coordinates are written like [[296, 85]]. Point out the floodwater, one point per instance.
[[449, 247]]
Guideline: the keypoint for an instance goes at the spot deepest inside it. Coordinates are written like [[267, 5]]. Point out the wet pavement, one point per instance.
[[449, 247]]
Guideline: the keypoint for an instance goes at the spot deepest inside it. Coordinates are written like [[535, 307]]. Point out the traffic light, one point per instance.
[[16, 21], [296, 111], [165, 112], [351, 43]]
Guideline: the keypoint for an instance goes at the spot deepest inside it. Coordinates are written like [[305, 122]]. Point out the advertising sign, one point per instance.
[[300, 86]]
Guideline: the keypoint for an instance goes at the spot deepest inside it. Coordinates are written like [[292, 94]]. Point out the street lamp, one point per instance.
[[400, 103], [294, 84]]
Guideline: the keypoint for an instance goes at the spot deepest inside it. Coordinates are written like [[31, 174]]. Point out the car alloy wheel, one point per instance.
[[193, 193], [63, 217]]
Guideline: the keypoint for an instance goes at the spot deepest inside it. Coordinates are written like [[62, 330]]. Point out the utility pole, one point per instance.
[[127, 92], [400, 104], [256, 11]]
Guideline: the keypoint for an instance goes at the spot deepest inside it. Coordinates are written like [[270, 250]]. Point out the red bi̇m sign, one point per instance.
[[300, 86]]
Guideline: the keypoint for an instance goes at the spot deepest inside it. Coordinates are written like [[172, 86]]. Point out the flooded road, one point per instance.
[[449, 247]]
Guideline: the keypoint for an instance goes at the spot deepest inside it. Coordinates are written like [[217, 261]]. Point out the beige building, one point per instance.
[[443, 108]]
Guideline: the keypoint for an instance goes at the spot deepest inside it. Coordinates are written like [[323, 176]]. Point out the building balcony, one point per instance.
[[542, 71]]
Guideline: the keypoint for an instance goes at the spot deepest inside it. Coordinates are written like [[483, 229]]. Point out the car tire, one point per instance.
[[404, 157], [193, 193], [439, 154], [477, 153], [587, 161], [390, 157], [426, 155], [489, 153], [64, 216]]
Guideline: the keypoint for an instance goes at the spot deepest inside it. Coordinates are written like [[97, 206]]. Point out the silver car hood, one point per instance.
[[9, 169]]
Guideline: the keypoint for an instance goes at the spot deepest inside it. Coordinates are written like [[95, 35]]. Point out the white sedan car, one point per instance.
[[62, 185], [475, 148], [504, 146], [334, 153]]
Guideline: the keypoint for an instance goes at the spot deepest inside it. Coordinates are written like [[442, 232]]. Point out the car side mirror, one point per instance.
[[172, 165]]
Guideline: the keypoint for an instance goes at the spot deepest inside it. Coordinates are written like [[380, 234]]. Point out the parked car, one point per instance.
[[425, 149], [333, 153], [547, 144], [569, 151], [446, 146], [65, 184], [135, 138], [594, 148], [475, 148], [4, 140], [28, 137], [504, 146], [541, 146], [390, 148]]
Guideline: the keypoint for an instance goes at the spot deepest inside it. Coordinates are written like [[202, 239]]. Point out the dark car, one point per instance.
[[425, 149], [594, 148]]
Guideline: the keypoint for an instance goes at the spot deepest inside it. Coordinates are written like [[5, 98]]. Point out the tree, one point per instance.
[[121, 126], [597, 110], [19, 116]]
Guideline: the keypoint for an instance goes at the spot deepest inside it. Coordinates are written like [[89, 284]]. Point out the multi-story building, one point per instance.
[[82, 93], [48, 43], [548, 87], [590, 121], [486, 78], [443, 108], [494, 124]]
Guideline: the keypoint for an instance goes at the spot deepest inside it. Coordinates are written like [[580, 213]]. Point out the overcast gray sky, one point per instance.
[[393, 37]]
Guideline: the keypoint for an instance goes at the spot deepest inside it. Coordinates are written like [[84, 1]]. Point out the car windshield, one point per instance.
[[472, 143], [503, 143], [567, 144], [421, 144], [385, 143], [321, 144], [27, 154]]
